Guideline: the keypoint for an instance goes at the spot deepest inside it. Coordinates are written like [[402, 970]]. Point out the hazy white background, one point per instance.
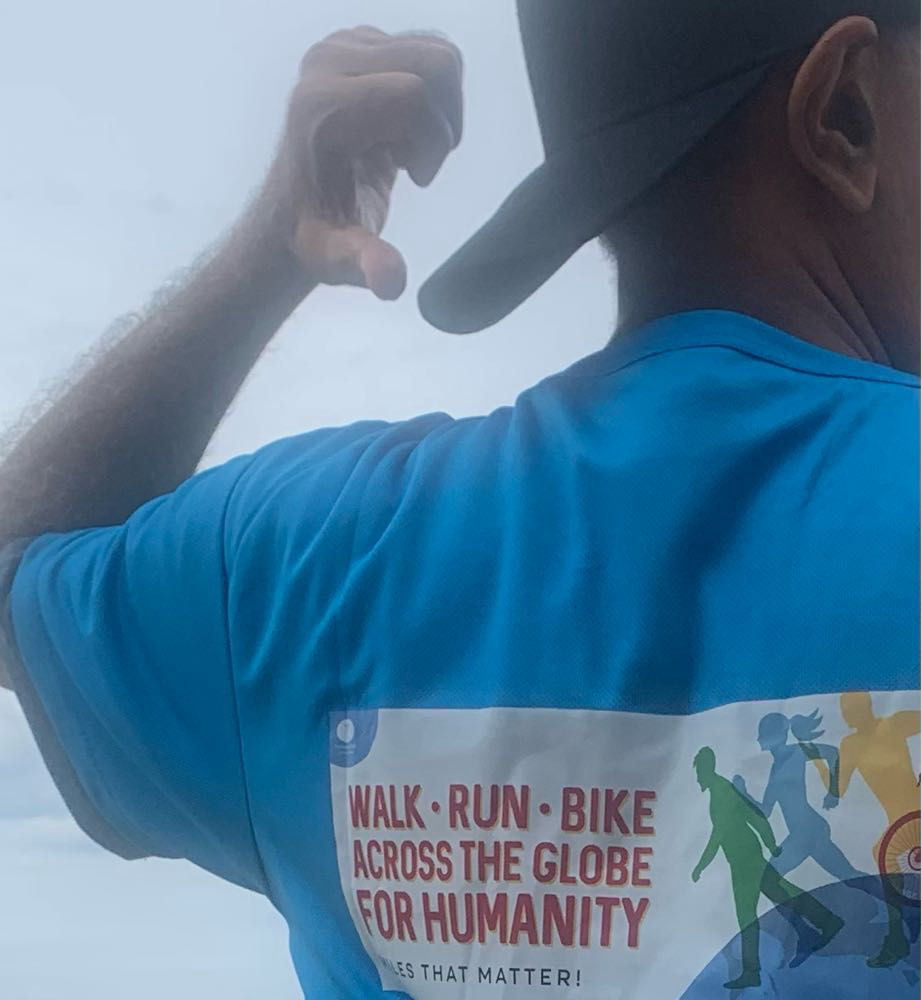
[[131, 135]]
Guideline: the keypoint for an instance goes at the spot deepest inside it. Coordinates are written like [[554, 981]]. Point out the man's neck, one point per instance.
[[804, 292]]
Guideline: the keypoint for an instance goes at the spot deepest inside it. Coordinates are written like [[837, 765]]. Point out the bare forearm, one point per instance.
[[136, 424]]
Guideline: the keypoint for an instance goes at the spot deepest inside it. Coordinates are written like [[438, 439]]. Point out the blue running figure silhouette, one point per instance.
[[810, 832]]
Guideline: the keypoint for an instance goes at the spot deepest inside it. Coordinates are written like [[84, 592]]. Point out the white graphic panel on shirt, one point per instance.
[[502, 852]]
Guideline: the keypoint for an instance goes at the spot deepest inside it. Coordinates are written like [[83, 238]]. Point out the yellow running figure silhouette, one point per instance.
[[878, 750]]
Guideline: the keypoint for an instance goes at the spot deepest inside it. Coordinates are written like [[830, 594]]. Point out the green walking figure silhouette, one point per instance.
[[740, 829]]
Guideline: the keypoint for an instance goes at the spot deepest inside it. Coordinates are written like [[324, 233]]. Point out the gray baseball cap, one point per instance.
[[624, 90]]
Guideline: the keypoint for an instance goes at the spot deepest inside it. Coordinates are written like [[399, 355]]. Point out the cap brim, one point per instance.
[[568, 201]]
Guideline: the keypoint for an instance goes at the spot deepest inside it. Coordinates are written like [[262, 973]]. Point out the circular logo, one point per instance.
[[900, 857], [351, 736]]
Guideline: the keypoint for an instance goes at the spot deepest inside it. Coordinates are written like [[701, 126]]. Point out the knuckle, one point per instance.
[[454, 55], [368, 31], [441, 62], [360, 33], [315, 54], [312, 57], [310, 112], [333, 47], [411, 89]]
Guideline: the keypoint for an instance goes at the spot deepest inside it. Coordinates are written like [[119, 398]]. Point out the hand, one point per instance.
[[776, 851], [739, 783], [695, 875], [830, 802], [367, 105]]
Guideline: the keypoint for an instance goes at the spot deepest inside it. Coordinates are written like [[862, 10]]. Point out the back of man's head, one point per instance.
[[808, 191]]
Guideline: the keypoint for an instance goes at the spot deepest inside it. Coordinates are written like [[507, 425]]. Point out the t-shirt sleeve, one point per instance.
[[117, 646]]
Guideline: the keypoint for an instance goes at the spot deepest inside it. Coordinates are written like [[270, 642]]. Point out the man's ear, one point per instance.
[[832, 109]]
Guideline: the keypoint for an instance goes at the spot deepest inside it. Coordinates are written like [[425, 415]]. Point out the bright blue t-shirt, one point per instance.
[[612, 693]]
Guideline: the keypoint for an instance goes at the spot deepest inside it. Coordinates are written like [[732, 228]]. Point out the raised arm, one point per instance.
[[906, 724], [135, 425]]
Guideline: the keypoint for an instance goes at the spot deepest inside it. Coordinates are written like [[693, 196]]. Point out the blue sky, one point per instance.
[[133, 135]]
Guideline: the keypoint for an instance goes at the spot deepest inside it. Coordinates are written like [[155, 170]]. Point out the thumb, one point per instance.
[[351, 255], [382, 267]]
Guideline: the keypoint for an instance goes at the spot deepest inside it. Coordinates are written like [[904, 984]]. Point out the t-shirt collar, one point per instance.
[[723, 328]]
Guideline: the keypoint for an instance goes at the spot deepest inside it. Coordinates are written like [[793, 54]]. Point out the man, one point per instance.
[[428, 686], [739, 829]]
